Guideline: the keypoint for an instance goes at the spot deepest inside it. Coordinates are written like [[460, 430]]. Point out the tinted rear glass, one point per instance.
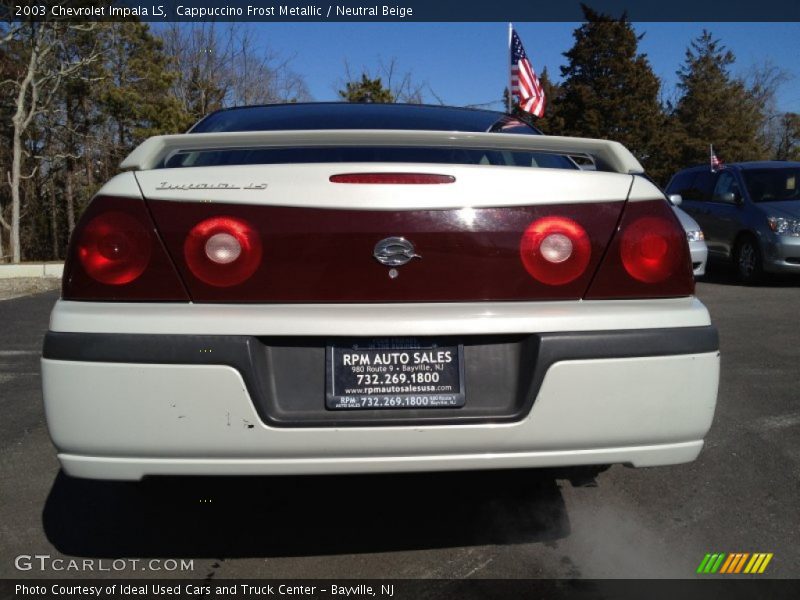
[[459, 156], [681, 183], [772, 185], [295, 117]]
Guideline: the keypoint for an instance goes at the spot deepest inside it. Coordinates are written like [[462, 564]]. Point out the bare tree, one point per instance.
[[787, 142], [261, 78], [763, 81], [218, 66], [7, 72], [36, 44], [200, 58]]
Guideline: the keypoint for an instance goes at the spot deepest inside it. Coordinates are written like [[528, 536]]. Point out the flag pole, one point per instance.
[[509, 100]]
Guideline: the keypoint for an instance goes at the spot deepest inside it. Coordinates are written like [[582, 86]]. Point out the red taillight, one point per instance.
[[647, 258], [646, 249], [223, 251], [116, 254], [555, 250], [115, 248], [400, 178]]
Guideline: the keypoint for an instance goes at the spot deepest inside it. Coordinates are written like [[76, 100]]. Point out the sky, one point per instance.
[[466, 63]]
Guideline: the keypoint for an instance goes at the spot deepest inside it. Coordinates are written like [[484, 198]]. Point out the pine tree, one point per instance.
[[367, 90], [135, 93], [551, 123], [609, 89], [70, 143], [204, 93], [716, 108]]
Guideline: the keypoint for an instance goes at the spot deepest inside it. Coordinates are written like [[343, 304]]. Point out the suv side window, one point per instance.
[[726, 184], [703, 185]]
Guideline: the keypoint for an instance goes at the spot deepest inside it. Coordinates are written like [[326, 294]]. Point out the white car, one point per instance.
[[342, 288], [694, 235]]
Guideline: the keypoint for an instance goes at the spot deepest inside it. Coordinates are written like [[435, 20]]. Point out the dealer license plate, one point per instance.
[[394, 373]]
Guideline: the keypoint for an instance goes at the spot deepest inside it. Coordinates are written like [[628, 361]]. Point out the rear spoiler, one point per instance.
[[607, 155]]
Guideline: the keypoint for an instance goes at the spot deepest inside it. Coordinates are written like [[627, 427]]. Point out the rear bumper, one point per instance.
[[124, 406], [284, 378], [134, 469]]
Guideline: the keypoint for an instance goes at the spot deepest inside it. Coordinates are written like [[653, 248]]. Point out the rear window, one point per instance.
[[772, 185], [389, 154], [681, 183], [342, 115]]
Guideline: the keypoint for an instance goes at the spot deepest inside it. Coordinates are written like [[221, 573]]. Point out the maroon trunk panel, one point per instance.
[[325, 255]]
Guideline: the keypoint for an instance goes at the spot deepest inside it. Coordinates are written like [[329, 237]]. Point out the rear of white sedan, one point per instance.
[[366, 288]]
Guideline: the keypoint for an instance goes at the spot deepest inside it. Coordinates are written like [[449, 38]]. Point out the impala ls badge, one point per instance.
[[394, 251]]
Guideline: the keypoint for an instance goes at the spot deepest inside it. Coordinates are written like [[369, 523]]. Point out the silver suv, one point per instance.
[[749, 213]]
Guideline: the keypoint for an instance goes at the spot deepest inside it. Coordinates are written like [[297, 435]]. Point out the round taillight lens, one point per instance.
[[223, 248], [648, 249], [223, 251], [115, 248], [555, 250]]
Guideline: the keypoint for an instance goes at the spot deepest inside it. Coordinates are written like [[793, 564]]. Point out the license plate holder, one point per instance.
[[394, 373]]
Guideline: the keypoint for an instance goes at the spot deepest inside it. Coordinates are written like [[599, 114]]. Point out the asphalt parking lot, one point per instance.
[[740, 496]]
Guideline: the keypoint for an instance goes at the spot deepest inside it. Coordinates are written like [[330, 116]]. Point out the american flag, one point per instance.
[[716, 163], [524, 83]]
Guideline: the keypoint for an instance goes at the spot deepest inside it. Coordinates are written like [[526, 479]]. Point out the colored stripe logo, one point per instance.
[[734, 563]]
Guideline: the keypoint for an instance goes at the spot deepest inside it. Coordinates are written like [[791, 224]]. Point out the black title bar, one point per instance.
[[398, 10]]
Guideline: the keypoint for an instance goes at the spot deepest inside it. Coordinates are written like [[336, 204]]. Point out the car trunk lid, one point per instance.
[[325, 241]]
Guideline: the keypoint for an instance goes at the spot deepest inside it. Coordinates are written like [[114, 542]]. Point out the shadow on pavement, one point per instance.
[[298, 516], [723, 273]]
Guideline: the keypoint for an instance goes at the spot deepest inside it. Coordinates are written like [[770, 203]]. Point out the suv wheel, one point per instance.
[[748, 261]]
